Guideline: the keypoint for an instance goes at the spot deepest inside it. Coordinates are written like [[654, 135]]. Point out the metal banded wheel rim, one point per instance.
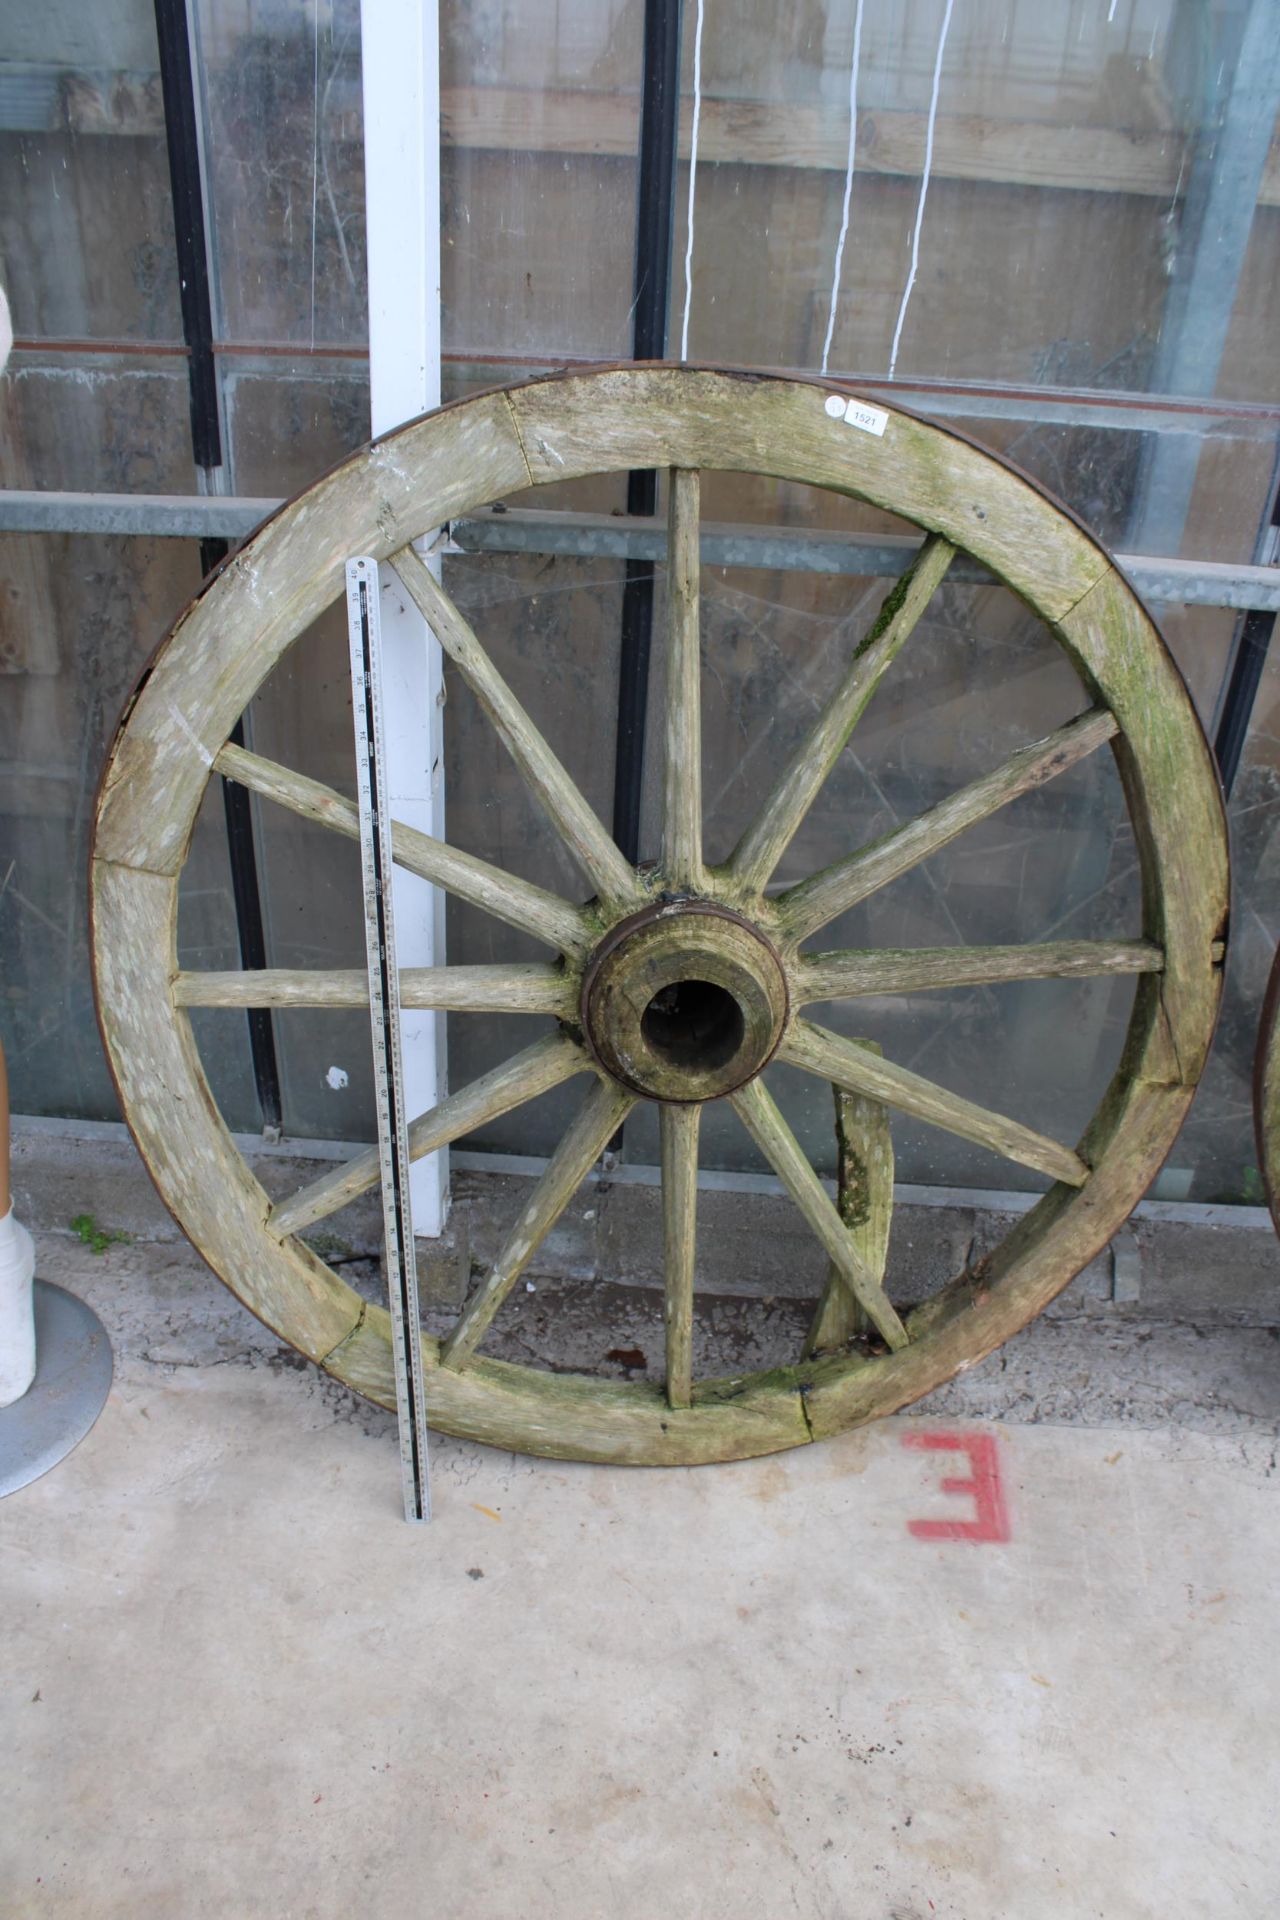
[[679, 984]]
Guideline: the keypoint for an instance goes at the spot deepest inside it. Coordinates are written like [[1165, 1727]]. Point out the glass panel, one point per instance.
[[551, 627], [86, 232], [100, 606], [283, 126], [290, 421], [979, 678], [541, 112], [96, 424]]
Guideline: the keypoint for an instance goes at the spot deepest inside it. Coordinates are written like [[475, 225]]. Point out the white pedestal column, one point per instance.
[[400, 57]]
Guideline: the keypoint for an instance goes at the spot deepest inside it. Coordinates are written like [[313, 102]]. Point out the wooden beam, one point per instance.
[[758, 133], [967, 146]]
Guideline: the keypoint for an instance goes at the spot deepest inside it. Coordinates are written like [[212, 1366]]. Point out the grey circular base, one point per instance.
[[73, 1379]]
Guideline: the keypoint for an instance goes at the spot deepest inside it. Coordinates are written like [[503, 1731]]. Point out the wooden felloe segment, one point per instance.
[[567, 1416], [561, 801], [601, 1114], [443, 468], [747, 422], [759, 1114], [815, 902], [682, 800], [775, 826], [189, 1152], [864, 1201], [845, 975], [249, 614], [501, 894], [1175, 803], [1266, 1093], [1126, 1142], [537, 1069], [513, 989], [678, 1132], [848, 1065]]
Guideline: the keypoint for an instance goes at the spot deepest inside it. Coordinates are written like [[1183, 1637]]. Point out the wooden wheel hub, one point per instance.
[[684, 1001]]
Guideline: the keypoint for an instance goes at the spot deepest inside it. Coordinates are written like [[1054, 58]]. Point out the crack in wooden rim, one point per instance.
[[489, 447]]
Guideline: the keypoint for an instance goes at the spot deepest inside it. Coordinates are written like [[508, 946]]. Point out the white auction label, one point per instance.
[[869, 419]]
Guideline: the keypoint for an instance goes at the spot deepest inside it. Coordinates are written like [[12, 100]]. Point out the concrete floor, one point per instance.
[[236, 1684]]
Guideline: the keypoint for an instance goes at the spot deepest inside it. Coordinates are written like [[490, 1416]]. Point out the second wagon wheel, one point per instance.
[[1266, 1092], [676, 986]]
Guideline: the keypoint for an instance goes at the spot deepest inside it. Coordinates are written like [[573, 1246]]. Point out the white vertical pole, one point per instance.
[[400, 57]]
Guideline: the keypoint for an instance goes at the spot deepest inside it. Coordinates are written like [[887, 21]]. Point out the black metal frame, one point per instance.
[[177, 83], [651, 290], [1248, 663]]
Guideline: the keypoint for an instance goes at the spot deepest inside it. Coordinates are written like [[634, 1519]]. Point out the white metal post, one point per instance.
[[400, 57]]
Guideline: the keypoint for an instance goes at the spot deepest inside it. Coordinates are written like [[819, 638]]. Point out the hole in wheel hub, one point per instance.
[[693, 1023], [684, 1001]]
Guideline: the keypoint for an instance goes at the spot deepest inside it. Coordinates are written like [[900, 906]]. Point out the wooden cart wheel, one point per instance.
[[1266, 1093], [676, 986]]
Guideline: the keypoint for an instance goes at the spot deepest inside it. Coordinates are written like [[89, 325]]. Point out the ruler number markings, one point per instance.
[[384, 1011]]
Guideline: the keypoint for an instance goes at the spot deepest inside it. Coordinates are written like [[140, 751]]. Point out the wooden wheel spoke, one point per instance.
[[679, 1129], [759, 1113], [561, 800], [602, 1112], [771, 832], [864, 1201], [539, 1067], [682, 800], [848, 1065], [846, 974], [513, 989], [521, 905], [828, 894]]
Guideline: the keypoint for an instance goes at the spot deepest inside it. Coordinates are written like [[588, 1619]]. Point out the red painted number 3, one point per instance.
[[990, 1517]]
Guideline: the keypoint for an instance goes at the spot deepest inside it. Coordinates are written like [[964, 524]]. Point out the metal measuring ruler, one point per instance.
[[384, 1011]]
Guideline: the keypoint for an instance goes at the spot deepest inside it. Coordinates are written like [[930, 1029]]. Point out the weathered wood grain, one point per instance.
[[846, 1064], [599, 1117], [517, 902], [1175, 803], [1266, 1092], [759, 1113], [667, 417], [678, 1130], [864, 1201], [560, 799], [1125, 1143], [227, 643], [846, 974], [778, 820], [245, 619], [824, 896], [185, 1143], [1149, 159], [533, 1071], [510, 989], [682, 773], [567, 1416]]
